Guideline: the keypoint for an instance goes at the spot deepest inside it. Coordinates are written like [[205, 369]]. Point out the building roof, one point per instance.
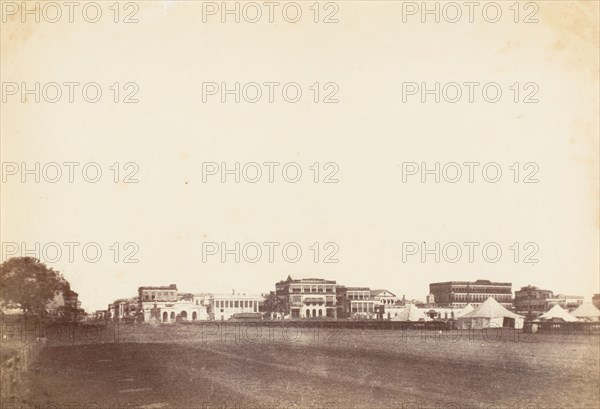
[[565, 297], [532, 288], [247, 315], [306, 280], [477, 282], [169, 287], [375, 293]]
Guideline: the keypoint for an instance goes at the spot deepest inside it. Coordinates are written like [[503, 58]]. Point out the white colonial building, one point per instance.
[[224, 306], [163, 304]]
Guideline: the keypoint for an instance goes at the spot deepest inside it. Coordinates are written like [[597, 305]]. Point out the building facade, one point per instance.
[[456, 294], [164, 304], [125, 309], [568, 302], [596, 300], [308, 297], [227, 306], [530, 300]]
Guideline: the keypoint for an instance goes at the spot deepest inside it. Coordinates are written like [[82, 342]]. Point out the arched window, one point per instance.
[[194, 316], [165, 316], [172, 315], [308, 313]]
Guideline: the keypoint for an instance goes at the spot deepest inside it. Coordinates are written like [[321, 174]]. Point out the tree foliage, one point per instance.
[[273, 304], [28, 282]]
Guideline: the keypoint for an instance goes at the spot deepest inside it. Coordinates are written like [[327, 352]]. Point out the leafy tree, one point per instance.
[[28, 282], [273, 304]]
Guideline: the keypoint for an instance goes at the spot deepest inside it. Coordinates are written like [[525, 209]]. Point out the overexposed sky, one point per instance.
[[369, 54]]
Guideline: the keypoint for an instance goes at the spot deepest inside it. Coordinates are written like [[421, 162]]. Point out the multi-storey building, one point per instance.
[[384, 297], [456, 294], [164, 304], [125, 309], [596, 300], [65, 304], [360, 304], [162, 294], [532, 300], [342, 307], [308, 297], [569, 302], [225, 307], [100, 314]]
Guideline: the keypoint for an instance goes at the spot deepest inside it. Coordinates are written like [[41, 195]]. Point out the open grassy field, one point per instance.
[[184, 366]]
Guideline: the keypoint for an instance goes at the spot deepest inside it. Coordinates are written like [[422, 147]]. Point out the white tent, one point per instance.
[[411, 313], [556, 313], [587, 312], [490, 314], [468, 308]]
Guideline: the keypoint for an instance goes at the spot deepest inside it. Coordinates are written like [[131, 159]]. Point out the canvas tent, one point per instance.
[[587, 312], [468, 308], [556, 313], [490, 314], [411, 313]]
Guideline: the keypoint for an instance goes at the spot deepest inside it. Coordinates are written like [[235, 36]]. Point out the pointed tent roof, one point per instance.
[[557, 312], [586, 310], [468, 308], [491, 308], [412, 313]]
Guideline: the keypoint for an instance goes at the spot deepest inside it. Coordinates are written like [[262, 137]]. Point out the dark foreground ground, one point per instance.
[[177, 367]]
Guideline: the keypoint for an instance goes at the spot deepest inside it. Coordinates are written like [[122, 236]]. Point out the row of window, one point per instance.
[[236, 304], [312, 289], [490, 290], [362, 307], [358, 296], [480, 297], [159, 295]]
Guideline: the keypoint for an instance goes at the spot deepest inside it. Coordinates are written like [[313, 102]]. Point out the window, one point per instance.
[[237, 304], [226, 303]]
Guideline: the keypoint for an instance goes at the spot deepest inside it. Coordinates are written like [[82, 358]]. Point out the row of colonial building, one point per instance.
[[308, 298]]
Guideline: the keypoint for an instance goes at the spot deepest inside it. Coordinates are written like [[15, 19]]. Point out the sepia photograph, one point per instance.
[[309, 204]]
